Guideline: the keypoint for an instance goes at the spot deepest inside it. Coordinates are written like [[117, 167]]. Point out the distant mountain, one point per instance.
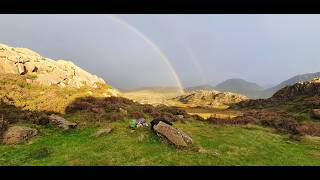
[[253, 90], [240, 86], [298, 78], [302, 96]]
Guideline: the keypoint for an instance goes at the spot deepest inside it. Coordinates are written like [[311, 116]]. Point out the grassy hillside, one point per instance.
[[219, 145], [215, 144]]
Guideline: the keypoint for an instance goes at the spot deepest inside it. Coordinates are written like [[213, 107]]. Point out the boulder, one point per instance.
[[102, 132], [60, 122], [21, 68], [18, 134], [315, 113], [174, 135], [30, 67]]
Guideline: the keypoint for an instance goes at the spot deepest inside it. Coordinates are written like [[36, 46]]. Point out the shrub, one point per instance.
[[3, 126], [136, 114], [312, 129]]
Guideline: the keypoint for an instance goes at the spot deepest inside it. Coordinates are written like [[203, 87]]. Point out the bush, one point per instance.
[[3, 126], [312, 129], [136, 114]]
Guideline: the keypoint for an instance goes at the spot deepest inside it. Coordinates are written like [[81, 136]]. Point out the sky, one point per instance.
[[133, 51]]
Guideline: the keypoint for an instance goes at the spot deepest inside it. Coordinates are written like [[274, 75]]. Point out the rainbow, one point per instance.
[[154, 47]]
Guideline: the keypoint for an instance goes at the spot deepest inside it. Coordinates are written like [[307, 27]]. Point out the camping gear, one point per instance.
[[133, 123], [142, 122]]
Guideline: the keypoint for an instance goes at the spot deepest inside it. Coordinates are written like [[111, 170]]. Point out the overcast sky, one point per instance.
[[203, 49]]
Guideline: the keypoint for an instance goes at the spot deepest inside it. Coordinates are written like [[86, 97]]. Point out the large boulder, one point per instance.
[[18, 134], [315, 113], [174, 135], [60, 122]]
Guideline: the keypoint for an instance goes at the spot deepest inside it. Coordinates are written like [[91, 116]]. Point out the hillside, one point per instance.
[[45, 71], [297, 92], [206, 98], [153, 95], [201, 87], [58, 123], [240, 86], [298, 78]]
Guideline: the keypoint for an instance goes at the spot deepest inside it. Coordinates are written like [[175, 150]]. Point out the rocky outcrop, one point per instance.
[[174, 135], [60, 122], [44, 70], [18, 134], [210, 98], [288, 93]]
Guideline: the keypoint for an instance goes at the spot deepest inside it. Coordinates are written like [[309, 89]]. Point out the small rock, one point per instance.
[[315, 113], [61, 122], [18, 134], [97, 110], [123, 111], [102, 132], [180, 116]]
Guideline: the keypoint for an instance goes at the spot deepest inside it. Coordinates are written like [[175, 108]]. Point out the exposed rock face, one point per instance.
[[175, 136], [47, 71], [315, 113], [61, 122], [206, 98], [18, 134], [288, 93]]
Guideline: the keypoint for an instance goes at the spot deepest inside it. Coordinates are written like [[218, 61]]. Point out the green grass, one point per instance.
[[222, 145]]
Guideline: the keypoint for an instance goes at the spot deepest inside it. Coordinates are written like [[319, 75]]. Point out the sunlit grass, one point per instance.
[[220, 144]]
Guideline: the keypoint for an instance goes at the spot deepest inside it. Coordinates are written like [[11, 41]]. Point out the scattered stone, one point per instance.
[[174, 135], [123, 111], [315, 113], [102, 132], [97, 110], [180, 116], [18, 134], [61, 122]]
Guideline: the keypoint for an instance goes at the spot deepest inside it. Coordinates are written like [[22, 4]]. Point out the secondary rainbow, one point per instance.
[[154, 46]]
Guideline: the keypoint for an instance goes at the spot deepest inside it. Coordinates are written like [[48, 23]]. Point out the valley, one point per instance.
[[55, 113]]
